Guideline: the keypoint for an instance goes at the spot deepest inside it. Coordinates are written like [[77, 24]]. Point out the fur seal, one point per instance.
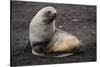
[[45, 39]]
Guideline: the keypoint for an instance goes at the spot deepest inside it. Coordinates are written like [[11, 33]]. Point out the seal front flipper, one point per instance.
[[28, 47], [37, 51]]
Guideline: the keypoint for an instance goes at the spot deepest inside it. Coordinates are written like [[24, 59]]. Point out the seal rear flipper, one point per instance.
[[28, 47], [64, 55], [56, 55]]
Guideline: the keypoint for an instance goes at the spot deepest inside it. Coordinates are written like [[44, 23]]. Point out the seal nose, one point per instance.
[[55, 14]]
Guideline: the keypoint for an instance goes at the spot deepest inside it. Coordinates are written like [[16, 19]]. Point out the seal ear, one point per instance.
[[28, 47]]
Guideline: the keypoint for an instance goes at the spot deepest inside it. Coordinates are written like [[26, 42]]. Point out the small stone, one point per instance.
[[75, 19], [78, 32], [60, 26], [93, 32], [80, 40], [18, 39]]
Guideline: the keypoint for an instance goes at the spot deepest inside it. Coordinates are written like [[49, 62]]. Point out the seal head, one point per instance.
[[48, 14]]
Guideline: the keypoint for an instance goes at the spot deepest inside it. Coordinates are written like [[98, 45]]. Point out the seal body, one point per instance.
[[63, 42], [46, 39]]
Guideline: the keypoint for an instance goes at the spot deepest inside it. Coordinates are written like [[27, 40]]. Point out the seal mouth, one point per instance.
[[54, 15]]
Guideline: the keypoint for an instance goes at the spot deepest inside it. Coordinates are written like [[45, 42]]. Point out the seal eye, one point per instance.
[[48, 12]]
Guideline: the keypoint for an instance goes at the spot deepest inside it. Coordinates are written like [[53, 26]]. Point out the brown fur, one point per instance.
[[64, 43]]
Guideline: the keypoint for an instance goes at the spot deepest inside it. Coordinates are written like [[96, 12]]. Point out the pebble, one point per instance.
[[78, 33], [60, 26], [75, 19]]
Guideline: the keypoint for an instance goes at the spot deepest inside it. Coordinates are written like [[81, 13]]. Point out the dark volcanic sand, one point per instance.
[[76, 19]]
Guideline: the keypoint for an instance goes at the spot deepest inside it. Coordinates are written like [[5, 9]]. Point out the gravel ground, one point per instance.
[[79, 20]]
